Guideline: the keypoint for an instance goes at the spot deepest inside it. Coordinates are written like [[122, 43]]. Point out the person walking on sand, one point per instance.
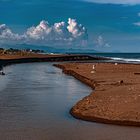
[[94, 66], [94, 69]]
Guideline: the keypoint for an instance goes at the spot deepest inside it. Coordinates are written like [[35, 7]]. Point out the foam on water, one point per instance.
[[129, 60], [121, 57]]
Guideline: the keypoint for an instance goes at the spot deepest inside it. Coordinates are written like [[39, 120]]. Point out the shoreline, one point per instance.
[[15, 59], [112, 102], [101, 105]]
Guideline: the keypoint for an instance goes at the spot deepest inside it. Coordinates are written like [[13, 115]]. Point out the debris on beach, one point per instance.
[[121, 82], [2, 73]]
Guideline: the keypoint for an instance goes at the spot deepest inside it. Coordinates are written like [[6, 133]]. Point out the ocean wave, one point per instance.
[[137, 60]]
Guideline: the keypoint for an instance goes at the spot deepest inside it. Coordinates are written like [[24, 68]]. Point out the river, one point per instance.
[[35, 100]]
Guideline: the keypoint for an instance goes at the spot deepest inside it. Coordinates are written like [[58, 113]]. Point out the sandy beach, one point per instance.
[[6, 59], [28, 55], [115, 98], [116, 92]]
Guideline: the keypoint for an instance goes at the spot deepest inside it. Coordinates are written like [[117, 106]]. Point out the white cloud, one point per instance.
[[7, 36], [39, 32], [61, 33], [100, 42], [137, 23], [75, 29], [131, 2]]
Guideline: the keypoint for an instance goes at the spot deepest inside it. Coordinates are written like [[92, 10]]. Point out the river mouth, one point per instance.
[[35, 100]]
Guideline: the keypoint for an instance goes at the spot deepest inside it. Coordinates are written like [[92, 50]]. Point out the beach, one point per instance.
[[35, 103], [70, 70], [115, 98], [7, 59]]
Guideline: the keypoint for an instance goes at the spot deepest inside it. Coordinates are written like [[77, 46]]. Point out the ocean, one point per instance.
[[120, 57]]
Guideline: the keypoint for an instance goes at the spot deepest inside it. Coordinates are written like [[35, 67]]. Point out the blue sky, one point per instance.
[[107, 25]]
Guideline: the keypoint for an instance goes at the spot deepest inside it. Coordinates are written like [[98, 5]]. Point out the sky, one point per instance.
[[102, 25]]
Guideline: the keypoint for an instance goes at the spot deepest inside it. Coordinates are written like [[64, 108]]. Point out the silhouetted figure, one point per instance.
[[1, 70]]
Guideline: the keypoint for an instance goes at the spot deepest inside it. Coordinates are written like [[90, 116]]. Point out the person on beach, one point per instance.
[[94, 69], [1, 70], [94, 66]]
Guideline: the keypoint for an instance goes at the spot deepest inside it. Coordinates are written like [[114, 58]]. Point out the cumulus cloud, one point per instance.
[[75, 29], [70, 33], [100, 42], [131, 2], [6, 33]]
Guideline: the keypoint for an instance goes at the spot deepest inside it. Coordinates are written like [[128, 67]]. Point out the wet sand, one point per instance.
[[116, 98]]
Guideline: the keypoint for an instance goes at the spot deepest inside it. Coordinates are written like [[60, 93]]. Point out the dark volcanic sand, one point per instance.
[[116, 98]]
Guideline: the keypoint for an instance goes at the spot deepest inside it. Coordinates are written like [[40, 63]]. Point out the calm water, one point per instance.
[[35, 100]]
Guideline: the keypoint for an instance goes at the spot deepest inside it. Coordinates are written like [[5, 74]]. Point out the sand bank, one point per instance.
[[34, 57], [116, 99]]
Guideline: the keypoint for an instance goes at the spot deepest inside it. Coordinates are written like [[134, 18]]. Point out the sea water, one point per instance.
[[120, 57]]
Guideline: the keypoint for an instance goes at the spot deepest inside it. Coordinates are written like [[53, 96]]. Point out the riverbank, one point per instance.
[[7, 59], [116, 99]]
